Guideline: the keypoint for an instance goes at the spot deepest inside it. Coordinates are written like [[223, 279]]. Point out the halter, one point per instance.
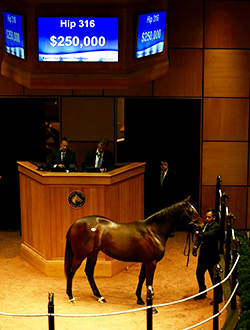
[[188, 239], [193, 220]]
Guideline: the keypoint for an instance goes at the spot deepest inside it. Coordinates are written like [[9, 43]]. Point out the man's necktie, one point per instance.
[[162, 178], [99, 164]]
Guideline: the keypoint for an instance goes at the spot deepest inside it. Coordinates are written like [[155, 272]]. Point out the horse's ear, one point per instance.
[[188, 198]]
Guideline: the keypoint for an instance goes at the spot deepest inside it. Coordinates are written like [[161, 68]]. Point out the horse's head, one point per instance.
[[191, 213]]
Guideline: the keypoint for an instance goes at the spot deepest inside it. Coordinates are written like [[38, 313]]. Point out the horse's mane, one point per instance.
[[167, 211]]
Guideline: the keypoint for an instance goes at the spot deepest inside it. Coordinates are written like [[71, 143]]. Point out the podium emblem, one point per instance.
[[76, 199]]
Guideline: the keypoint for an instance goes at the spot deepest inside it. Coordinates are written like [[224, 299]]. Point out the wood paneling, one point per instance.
[[47, 92], [236, 203], [226, 73], [84, 92], [228, 159], [139, 90], [185, 24], [88, 119], [227, 24], [225, 119], [185, 74], [9, 86]]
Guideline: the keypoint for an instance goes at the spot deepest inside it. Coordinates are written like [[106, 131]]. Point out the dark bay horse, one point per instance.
[[139, 241]]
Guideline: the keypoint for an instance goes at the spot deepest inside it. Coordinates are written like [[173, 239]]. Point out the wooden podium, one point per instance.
[[51, 202]]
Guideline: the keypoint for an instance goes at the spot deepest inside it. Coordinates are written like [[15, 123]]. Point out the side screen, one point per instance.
[[150, 34], [14, 34]]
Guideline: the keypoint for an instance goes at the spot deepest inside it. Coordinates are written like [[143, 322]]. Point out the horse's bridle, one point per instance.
[[193, 222]]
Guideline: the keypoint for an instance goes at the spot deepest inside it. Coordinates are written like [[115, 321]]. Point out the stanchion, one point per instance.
[[222, 221], [228, 245], [149, 314], [217, 194], [234, 274], [51, 311], [216, 271]]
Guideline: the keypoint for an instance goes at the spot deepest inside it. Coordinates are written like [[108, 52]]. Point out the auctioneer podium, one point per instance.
[[52, 201]]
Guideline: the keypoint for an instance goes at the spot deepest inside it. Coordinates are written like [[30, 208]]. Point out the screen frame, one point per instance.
[[137, 19], [75, 62], [23, 30]]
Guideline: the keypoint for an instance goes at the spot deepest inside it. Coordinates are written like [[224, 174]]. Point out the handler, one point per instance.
[[207, 239]]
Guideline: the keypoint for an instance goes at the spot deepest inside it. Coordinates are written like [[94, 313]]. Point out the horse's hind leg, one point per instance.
[[142, 277], [70, 272], [89, 270]]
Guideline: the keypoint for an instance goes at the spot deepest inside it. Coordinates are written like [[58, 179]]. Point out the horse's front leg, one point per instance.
[[89, 270], [142, 277], [150, 269]]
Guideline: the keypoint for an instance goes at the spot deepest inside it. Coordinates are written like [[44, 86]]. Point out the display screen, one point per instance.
[[13, 34], [150, 34], [78, 39]]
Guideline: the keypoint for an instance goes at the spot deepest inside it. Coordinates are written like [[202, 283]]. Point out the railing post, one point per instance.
[[216, 273], [234, 274], [51, 311], [217, 194], [228, 245], [149, 314], [222, 222]]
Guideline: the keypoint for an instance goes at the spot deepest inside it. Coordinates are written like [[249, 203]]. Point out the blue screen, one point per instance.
[[78, 39], [150, 34], [13, 34]]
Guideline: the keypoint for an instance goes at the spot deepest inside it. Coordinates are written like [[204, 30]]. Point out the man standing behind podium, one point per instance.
[[62, 157], [99, 158]]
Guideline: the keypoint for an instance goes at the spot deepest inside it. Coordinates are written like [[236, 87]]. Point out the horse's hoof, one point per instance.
[[140, 302], [101, 300], [72, 301]]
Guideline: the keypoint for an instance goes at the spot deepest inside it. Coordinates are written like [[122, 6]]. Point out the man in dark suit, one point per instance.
[[168, 192], [207, 239], [62, 158], [99, 158]]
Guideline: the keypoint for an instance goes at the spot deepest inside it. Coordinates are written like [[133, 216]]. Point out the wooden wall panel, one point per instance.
[[236, 203], [8, 86], [47, 92], [65, 215], [32, 233], [228, 159], [139, 90], [87, 92], [184, 77], [88, 118], [225, 119], [226, 73], [227, 24], [185, 24]]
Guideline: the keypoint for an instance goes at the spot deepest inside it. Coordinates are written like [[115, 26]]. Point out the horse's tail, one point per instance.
[[69, 255]]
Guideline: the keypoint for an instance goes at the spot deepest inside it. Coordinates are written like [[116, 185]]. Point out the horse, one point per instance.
[[139, 241]]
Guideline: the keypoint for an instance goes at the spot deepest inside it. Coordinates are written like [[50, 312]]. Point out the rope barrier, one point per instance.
[[144, 308]]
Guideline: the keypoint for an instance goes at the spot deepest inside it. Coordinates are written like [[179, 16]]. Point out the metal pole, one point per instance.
[[149, 314], [228, 245], [51, 311], [234, 275], [216, 297], [222, 223], [217, 195]]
